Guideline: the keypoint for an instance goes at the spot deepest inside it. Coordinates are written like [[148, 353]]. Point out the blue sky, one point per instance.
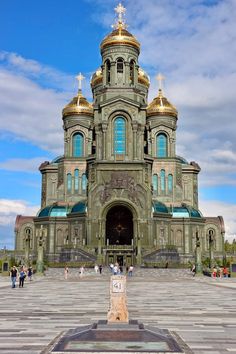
[[43, 46]]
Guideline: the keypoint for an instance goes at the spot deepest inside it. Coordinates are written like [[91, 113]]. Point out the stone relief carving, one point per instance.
[[121, 183]]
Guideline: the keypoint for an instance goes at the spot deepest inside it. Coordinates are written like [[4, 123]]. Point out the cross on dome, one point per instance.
[[160, 78], [120, 24], [120, 10], [80, 78]]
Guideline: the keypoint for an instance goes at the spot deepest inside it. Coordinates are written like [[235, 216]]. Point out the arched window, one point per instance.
[[76, 180], [120, 66], [132, 66], [119, 136], [170, 183], [155, 184], [78, 145], [163, 182], [69, 182], [161, 145], [84, 182], [108, 71]]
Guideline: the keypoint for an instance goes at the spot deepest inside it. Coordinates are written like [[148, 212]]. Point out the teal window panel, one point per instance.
[[161, 145], [170, 183], [84, 182], [69, 182], [163, 180], [78, 145], [76, 180], [155, 183], [119, 136]]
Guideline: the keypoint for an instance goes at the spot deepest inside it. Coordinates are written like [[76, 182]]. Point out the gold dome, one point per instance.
[[96, 78], [78, 106], [143, 77], [160, 106], [120, 36]]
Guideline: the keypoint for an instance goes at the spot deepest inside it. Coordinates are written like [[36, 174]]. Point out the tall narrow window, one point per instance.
[[108, 71], [119, 136], [120, 66], [76, 180], [69, 182], [163, 182], [170, 183], [84, 183], [161, 145], [78, 145], [132, 65], [155, 184]]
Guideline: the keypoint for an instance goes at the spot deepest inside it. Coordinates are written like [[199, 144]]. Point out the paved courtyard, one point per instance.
[[201, 310]]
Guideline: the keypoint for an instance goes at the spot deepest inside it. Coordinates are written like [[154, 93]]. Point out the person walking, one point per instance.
[[66, 271], [100, 268], [96, 268], [30, 273], [130, 272], [13, 274], [22, 278]]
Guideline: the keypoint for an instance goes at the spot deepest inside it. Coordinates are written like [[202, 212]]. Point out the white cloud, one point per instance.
[[228, 211], [22, 165], [9, 209]]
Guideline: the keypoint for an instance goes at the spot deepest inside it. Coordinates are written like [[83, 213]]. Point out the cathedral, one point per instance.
[[119, 193]]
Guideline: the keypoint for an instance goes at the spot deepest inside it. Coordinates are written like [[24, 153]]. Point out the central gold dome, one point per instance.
[[120, 36]]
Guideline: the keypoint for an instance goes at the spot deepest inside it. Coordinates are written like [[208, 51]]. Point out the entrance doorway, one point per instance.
[[119, 226]]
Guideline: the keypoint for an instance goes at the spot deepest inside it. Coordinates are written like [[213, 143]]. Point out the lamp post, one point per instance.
[[41, 238], [27, 249], [211, 251], [198, 255]]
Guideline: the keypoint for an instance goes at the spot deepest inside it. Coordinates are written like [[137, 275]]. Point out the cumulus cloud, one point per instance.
[[228, 211], [9, 209], [31, 100], [22, 165]]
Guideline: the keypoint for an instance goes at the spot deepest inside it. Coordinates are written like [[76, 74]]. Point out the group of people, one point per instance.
[[118, 269], [20, 274], [220, 272], [114, 268]]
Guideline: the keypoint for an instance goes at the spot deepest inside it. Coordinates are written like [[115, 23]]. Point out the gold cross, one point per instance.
[[160, 78], [120, 10], [80, 78]]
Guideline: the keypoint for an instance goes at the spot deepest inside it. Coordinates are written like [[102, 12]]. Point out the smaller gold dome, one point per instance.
[[160, 106], [96, 78], [78, 106], [143, 77], [120, 36]]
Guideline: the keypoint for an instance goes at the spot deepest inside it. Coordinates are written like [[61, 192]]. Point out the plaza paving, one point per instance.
[[201, 310]]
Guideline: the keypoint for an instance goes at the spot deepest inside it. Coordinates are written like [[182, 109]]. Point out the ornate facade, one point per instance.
[[120, 192]]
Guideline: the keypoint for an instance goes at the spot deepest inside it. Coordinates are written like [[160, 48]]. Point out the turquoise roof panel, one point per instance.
[[79, 207], [159, 207]]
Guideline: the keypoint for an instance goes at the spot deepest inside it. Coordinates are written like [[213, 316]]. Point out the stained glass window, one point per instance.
[[161, 145], [69, 182], [76, 180], [163, 177], [170, 183], [119, 136], [155, 183], [78, 145], [84, 182]]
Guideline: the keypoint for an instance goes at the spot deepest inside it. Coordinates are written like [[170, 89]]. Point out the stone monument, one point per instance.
[[118, 311]]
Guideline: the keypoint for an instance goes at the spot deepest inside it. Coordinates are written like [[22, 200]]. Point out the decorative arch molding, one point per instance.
[[123, 203]]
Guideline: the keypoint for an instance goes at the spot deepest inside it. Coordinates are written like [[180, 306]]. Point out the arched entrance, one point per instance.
[[119, 226]]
